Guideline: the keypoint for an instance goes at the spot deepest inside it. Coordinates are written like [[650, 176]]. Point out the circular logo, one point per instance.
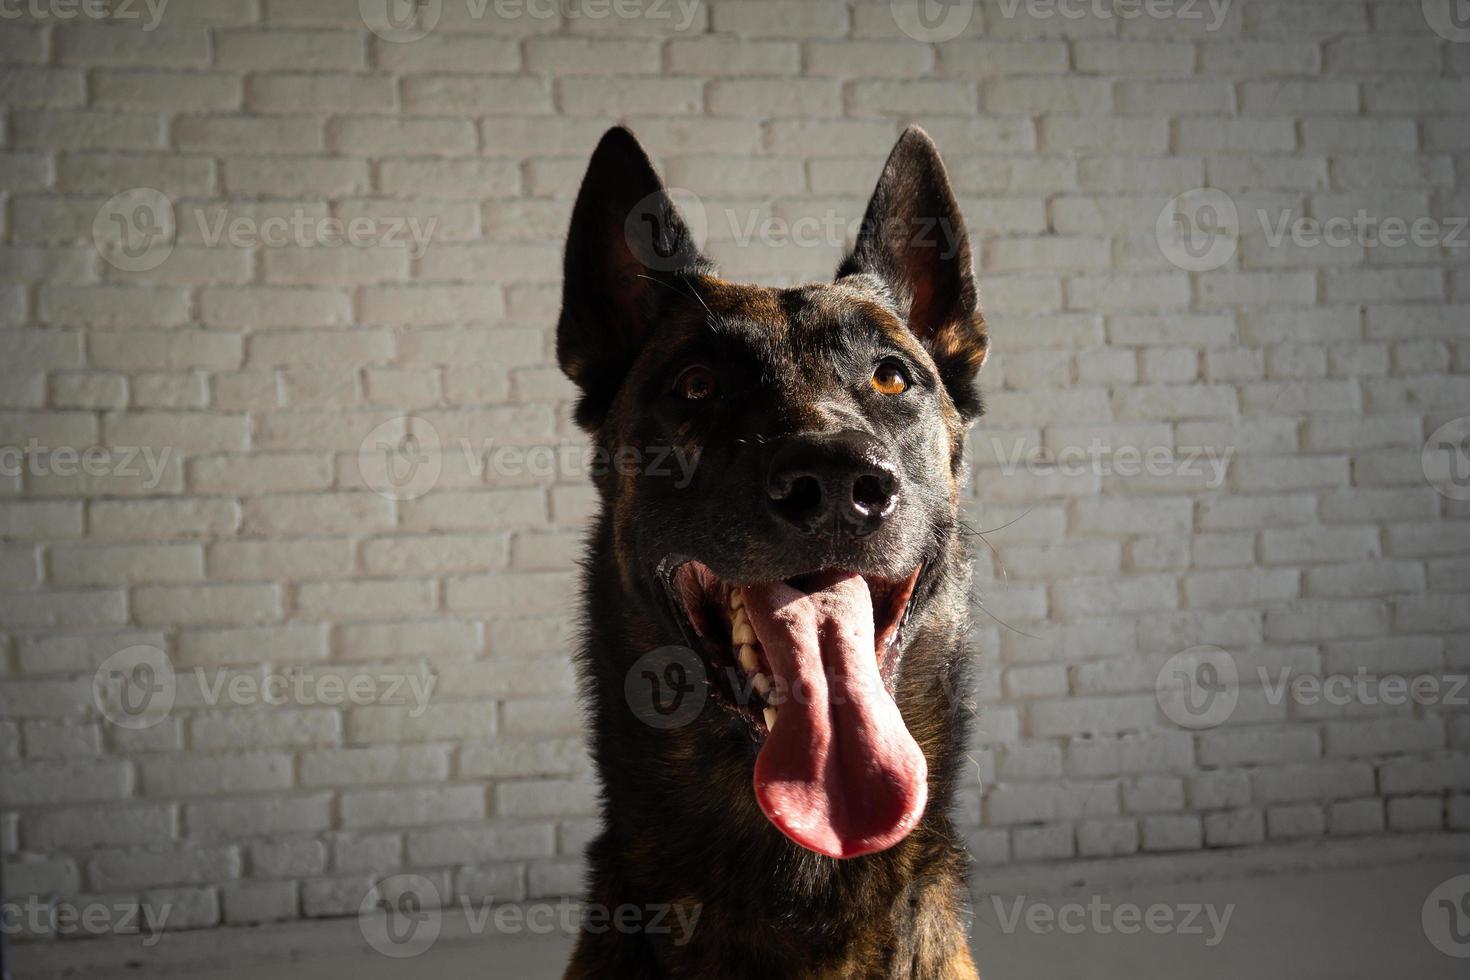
[[402, 458], [135, 231], [666, 229], [1450, 19], [932, 21], [1199, 230], [1446, 917], [1199, 687], [401, 21], [1446, 459], [667, 687], [135, 688], [401, 917]]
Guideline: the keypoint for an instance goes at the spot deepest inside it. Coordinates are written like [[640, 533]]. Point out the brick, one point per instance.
[[412, 807], [256, 50]]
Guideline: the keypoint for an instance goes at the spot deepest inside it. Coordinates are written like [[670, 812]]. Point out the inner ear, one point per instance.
[[627, 247], [913, 240]]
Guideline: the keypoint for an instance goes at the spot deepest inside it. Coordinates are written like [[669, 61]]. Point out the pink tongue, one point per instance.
[[839, 774]]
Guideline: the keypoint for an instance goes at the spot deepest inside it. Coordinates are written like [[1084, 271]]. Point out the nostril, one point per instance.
[[872, 494], [797, 495]]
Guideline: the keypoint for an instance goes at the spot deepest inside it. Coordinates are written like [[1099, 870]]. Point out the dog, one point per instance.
[[805, 588]]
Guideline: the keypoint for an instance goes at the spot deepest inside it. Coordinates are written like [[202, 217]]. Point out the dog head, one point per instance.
[[784, 474]]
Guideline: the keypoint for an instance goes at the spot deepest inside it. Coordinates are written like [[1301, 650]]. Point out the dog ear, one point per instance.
[[913, 239], [626, 246]]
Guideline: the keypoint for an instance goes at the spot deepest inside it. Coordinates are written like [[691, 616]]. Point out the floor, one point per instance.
[[1340, 924]]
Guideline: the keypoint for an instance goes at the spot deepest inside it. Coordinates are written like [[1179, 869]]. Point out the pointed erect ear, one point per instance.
[[627, 246], [913, 240]]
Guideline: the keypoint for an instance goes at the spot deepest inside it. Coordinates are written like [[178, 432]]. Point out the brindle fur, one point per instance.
[[681, 824]]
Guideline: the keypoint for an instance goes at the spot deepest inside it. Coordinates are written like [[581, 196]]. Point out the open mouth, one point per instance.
[[809, 662]]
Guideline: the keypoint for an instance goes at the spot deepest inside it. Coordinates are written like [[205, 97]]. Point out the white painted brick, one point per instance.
[[1044, 843], [254, 902], [263, 368]]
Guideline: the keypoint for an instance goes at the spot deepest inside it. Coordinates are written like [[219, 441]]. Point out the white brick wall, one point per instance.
[[252, 368]]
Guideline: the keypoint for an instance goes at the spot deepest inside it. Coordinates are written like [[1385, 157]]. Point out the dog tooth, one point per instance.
[[748, 659], [744, 634], [762, 683], [736, 600], [770, 719]]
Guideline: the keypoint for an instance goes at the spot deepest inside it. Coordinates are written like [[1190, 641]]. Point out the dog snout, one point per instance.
[[843, 482]]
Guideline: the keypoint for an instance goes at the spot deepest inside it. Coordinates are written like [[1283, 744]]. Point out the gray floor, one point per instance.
[[1342, 925]]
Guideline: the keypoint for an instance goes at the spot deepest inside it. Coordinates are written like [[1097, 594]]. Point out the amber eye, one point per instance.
[[697, 383], [889, 378]]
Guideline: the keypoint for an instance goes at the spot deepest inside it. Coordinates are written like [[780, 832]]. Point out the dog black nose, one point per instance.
[[843, 482]]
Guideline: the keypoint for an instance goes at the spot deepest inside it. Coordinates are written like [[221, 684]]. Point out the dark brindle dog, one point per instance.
[[814, 561]]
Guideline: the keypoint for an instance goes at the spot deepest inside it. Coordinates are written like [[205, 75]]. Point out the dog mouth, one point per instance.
[[810, 663]]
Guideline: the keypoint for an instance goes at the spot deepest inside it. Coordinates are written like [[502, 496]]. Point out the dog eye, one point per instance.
[[890, 378], [697, 383]]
